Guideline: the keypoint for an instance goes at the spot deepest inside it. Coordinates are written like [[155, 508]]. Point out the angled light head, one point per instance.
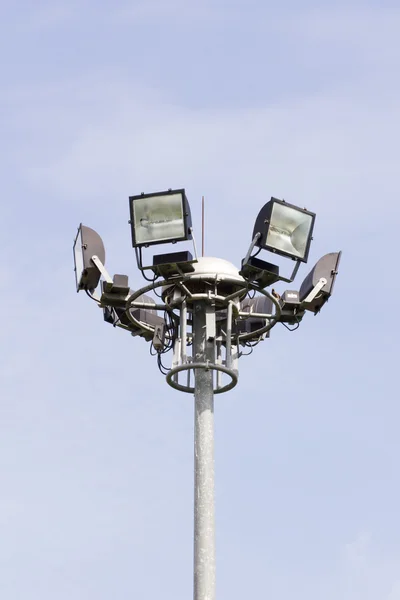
[[285, 229], [87, 243], [317, 287], [160, 218]]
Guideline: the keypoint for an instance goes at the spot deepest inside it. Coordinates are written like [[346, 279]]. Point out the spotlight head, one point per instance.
[[87, 244], [160, 218], [285, 229], [317, 287]]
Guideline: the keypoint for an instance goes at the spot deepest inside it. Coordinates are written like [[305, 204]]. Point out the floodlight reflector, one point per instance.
[[87, 244], [285, 229], [160, 218], [321, 279]]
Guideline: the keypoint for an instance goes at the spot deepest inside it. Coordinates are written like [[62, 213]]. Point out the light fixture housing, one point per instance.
[[258, 304], [285, 229], [173, 263], [291, 310], [259, 271], [87, 244], [115, 293], [160, 218], [325, 269], [114, 303]]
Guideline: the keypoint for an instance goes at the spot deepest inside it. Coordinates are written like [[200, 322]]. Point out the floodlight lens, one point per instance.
[[159, 218], [78, 254], [289, 230]]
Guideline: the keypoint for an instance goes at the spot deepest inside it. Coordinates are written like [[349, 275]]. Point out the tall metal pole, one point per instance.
[[202, 225], [204, 525]]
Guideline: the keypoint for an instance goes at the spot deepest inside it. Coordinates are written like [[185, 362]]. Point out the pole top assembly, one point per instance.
[[241, 311]]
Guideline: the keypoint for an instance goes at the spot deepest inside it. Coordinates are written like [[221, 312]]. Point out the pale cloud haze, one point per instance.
[[237, 101]]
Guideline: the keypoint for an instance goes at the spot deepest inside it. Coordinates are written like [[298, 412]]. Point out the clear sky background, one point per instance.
[[237, 101]]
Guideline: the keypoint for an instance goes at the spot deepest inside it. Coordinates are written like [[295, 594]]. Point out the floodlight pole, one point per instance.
[[204, 524]]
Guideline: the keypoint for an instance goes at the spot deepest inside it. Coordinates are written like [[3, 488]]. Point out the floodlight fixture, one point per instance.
[[89, 257], [317, 287], [160, 218], [284, 229]]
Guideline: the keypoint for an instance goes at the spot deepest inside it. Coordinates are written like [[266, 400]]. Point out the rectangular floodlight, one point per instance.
[[324, 271], [160, 218], [87, 243], [285, 229]]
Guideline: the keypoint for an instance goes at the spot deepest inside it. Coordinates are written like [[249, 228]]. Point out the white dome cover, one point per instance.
[[208, 265]]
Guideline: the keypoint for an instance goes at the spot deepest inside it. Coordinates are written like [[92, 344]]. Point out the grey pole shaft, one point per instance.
[[204, 525]]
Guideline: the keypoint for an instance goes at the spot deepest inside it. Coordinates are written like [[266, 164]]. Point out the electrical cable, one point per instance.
[[148, 278], [90, 296], [292, 328], [246, 353], [253, 344]]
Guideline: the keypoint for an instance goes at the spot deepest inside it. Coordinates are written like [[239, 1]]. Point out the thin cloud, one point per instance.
[[49, 17], [357, 552]]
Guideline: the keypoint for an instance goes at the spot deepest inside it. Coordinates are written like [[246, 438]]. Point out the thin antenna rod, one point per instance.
[[202, 225]]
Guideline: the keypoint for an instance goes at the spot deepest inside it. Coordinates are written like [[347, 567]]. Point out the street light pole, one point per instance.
[[204, 524], [210, 312]]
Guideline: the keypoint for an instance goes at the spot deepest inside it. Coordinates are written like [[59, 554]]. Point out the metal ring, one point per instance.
[[239, 338], [190, 390], [273, 320]]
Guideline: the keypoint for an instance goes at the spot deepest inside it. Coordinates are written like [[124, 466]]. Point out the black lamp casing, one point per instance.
[[186, 217], [173, 263], [259, 271], [91, 245], [262, 226], [327, 267], [291, 311]]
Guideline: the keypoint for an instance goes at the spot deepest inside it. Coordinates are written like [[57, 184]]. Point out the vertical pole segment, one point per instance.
[[204, 525], [202, 226]]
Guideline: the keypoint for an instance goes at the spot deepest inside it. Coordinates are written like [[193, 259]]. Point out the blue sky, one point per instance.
[[237, 101]]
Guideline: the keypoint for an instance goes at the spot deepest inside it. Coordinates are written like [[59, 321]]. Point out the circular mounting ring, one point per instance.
[[239, 338], [273, 321], [208, 367]]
